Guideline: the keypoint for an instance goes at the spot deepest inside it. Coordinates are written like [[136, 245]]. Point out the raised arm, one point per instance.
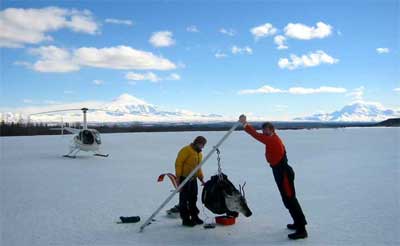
[[252, 131]]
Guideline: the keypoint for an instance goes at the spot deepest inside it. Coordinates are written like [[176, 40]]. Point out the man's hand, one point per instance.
[[243, 119]]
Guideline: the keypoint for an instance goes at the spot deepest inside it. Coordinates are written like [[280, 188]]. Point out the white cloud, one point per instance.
[[121, 57], [149, 76], [162, 39], [309, 60], [245, 50], [266, 89], [357, 93], [382, 50], [220, 55], [192, 28], [230, 32], [396, 89], [54, 59], [98, 82], [82, 23], [119, 22], [262, 31], [20, 26], [322, 89], [301, 31], [280, 41]]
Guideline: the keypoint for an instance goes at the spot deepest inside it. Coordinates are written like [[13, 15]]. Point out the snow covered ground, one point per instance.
[[348, 182]]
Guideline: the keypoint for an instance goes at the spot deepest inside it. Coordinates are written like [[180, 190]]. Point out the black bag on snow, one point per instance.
[[213, 196]]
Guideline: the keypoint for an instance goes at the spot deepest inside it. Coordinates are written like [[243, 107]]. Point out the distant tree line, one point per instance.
[[27, 129]]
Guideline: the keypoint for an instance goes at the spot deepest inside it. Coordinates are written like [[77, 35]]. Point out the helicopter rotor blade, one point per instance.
[[55, 111], [75, 109]]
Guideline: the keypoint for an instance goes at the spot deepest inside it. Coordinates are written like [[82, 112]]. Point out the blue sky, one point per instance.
[[344, 47]]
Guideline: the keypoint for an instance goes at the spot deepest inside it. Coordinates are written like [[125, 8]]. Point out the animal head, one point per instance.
[[235, 200]]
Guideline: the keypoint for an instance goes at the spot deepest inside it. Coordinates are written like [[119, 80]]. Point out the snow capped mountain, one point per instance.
[[125, 108], [128, 104], [357, 111]]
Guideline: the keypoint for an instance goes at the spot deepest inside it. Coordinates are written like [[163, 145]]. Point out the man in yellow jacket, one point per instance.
[[188, 158]]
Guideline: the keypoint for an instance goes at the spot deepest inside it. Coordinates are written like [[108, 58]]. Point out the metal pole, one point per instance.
[[84, 119], [147, 222], [62, 125]]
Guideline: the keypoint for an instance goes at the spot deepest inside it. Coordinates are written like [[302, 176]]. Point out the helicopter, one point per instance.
[[84, 139]]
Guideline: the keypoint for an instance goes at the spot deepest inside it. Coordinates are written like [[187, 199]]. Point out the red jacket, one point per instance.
[[274, 148]]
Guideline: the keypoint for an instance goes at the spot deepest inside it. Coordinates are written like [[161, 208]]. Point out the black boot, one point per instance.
[[299, 234], [188, 223], [174, 209], [197, 220], [291, 226]]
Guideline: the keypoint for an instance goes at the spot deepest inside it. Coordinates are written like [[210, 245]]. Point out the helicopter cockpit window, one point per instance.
[[87, 137], [97, 137]]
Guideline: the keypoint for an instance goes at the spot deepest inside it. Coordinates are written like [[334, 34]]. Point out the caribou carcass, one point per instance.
[[220, 196]]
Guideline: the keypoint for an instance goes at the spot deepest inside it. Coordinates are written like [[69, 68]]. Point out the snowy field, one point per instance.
[[348, 182]]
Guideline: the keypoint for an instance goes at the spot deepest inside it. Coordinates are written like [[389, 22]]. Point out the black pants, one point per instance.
[[284, 178], [188, 199]]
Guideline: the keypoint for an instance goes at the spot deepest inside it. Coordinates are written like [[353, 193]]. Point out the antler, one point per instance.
[[244, 194], [241, 189]]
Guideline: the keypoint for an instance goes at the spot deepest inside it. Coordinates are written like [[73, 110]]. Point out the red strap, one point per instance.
[[171, 176], [286, 186]]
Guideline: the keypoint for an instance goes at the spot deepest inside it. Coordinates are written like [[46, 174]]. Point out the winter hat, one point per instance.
[[200, 140]]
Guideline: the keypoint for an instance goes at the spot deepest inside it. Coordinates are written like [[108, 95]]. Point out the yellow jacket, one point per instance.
[[186, 161]]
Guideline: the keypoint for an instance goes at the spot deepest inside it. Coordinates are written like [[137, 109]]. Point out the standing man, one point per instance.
[[188, 158], [275, 154]]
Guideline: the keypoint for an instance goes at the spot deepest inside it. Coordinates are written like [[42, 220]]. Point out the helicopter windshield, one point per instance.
[[86, 137]]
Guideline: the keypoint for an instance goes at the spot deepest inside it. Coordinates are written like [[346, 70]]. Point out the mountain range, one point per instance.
[[127, 108], [359, 111]]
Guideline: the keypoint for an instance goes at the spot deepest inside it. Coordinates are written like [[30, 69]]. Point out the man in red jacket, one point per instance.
[[275, 154]]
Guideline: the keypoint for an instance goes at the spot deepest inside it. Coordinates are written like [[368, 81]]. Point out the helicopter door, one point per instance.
[[87, 137], [97, 136]]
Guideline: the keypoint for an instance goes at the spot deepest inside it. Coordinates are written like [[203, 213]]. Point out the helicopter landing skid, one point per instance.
[[102, 155], [70, 156], [74, 152]]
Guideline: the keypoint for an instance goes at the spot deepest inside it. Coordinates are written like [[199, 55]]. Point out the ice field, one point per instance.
[[347, 181]]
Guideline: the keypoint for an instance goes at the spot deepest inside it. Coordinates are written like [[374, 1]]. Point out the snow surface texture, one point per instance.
[[347, 181]]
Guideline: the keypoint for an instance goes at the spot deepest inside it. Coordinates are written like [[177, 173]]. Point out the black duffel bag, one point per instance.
[[213, 194]]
